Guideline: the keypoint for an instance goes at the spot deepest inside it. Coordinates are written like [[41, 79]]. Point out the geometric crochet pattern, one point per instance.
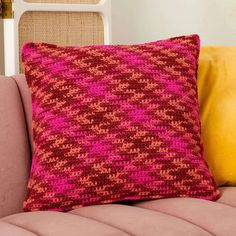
[[115, 123]]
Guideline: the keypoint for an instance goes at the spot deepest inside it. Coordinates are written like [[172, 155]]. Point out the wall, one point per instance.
[[137, 21]]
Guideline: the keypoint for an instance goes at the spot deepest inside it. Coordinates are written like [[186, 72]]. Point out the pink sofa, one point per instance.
[[158, 217]]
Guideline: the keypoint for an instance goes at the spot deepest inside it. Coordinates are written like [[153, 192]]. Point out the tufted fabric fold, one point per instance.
[[61, 224], [216, 218], [140, 222], [7, 229]]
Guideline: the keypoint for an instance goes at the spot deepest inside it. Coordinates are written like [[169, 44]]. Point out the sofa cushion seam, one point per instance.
[[227, 204], [188, 221], [21, 227], [90, 218]]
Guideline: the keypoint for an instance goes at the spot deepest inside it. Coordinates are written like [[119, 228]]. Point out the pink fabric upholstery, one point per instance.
[[216, 218], [228, 196], [12, 230], [61, 224], [14, 149], [26, 101], [140, 222]]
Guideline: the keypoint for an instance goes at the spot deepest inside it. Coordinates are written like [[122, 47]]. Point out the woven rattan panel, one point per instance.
[[65, 28], [65, 1]]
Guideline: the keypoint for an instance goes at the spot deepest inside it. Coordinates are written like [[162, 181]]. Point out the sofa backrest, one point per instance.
[[15, 155]]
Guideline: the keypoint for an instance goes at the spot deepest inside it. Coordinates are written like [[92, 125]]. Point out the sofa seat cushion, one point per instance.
[[140, 222], [102, 220], [58, 224], [228, 196], [12, 230], [217, 218]]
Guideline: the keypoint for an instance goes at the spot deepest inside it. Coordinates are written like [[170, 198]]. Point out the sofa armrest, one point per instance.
[[14, 148]]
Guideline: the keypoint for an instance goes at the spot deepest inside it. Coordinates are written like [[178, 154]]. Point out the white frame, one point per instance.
[[11, 34]]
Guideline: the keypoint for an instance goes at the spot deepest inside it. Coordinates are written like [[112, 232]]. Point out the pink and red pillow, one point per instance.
[[115, 123]]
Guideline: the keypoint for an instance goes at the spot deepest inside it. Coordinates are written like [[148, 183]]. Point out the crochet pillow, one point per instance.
[[115, 123]]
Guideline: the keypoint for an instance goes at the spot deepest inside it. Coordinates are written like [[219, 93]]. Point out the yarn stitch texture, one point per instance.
[[115, 123]]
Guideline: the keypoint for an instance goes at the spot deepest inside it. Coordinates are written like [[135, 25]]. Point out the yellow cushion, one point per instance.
[[217, 94]]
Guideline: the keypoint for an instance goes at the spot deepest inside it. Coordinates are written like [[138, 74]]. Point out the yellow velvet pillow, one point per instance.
[[217, 94]]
